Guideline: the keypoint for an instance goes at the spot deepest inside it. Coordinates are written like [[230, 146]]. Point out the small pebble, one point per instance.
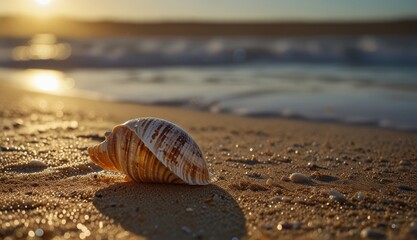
[[37, 164], [360, 196], [189, 209], [299, 178], [18, 123], [336, 196], [186, 229], [372, 234]]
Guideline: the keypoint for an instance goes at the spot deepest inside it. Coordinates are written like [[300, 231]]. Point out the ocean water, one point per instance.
[[355, 80]]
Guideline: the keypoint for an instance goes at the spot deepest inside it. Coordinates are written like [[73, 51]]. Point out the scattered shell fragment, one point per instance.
[[300, 178], [152, 150]]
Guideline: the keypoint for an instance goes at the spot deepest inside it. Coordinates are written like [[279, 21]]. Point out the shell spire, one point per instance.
[[152, 150]]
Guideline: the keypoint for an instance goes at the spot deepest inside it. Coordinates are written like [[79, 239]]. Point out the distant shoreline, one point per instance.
[[26, 27]]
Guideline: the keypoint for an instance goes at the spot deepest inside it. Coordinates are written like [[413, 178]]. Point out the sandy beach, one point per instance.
[[354, 182]]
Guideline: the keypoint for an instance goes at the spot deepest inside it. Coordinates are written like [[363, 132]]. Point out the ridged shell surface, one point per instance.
[[152, 150]]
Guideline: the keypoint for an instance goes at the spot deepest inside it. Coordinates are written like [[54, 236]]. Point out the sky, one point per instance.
[[213, 10]]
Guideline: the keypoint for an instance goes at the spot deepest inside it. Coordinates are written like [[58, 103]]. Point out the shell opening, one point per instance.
[[98, 154]]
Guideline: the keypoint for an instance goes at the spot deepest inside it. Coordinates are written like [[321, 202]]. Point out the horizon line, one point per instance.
[[220, 21]]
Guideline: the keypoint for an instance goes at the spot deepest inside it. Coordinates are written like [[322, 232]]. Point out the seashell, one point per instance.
[[152, 150]]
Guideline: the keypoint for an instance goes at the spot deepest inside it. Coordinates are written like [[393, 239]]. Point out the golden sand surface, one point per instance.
[[350, 182]]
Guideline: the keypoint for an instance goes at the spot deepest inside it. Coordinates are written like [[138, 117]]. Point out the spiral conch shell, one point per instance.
[[152, 150]]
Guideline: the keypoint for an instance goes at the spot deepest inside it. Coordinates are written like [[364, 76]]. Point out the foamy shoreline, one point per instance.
[[370, 96]]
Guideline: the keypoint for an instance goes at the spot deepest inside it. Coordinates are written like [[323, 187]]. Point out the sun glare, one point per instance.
[[46, 82], [50, 81], [43, 2]]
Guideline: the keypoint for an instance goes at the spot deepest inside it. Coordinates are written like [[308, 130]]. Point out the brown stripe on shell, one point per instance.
[[135, 146], [115, 149], [163, 136], [145, 162], [130, 143], [147, 123]]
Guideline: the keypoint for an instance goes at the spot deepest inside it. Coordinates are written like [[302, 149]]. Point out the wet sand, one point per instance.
[[354, 182]]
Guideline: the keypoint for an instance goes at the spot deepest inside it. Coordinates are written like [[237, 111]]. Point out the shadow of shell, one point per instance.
[[163, 211]]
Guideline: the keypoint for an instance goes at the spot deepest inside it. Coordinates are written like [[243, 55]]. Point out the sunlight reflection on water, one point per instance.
[[50, 81], [42, 47]]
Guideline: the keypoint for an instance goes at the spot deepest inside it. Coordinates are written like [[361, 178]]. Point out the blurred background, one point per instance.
[[351, 62]]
